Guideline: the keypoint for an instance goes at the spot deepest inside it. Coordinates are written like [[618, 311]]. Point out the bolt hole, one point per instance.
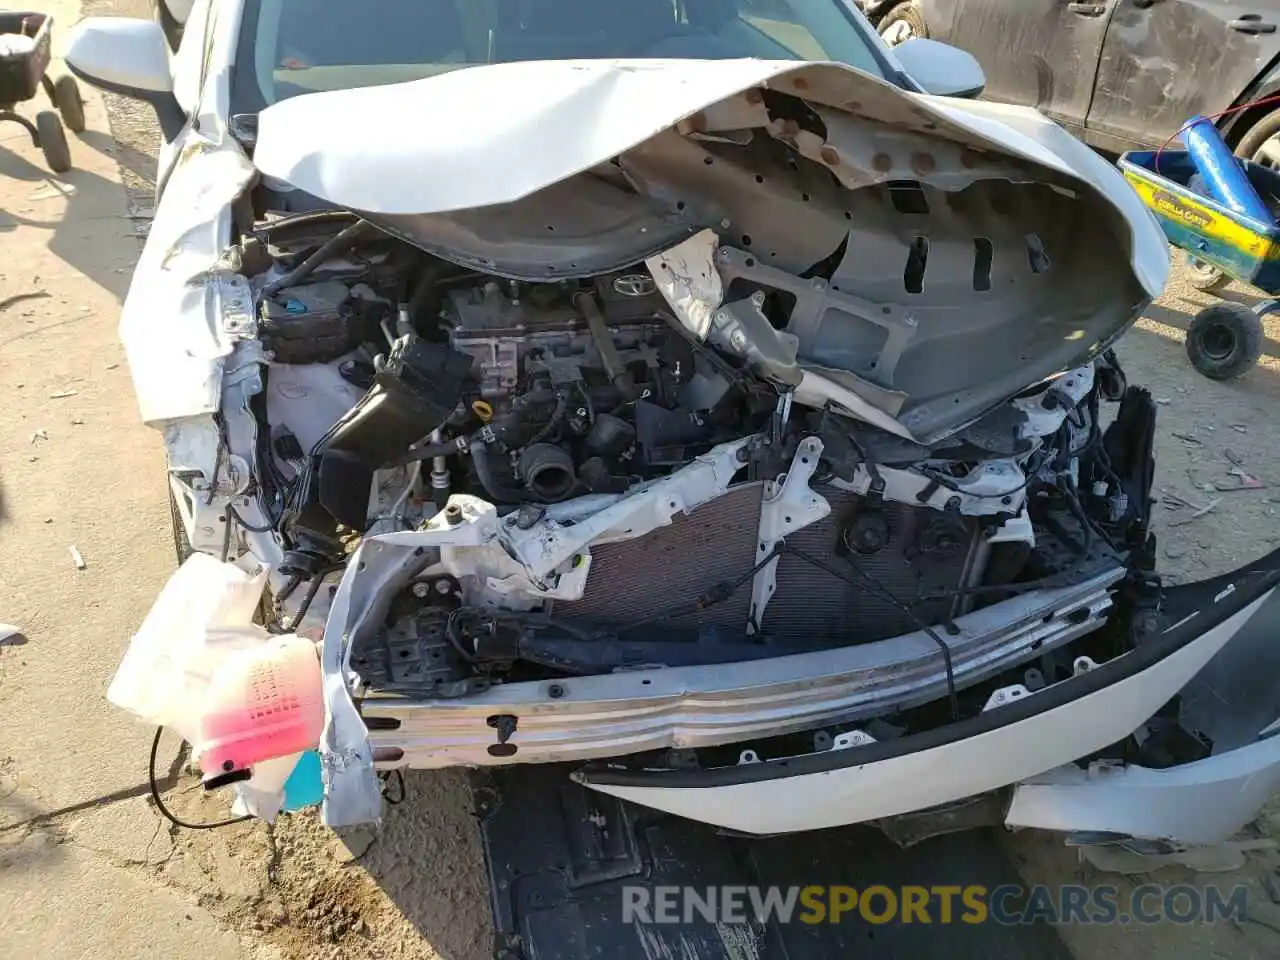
[[502, 749], [708, 161], [750, 262], [679, 204], [746, 240], [759, 178]]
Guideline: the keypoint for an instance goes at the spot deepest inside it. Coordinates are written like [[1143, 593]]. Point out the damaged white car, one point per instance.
[[691, 391]]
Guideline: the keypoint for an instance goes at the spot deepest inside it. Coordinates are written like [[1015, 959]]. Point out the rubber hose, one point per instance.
[[484, 472], [339, 242]]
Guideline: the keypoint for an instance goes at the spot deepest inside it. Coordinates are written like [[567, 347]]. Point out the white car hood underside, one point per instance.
[[495, 134]]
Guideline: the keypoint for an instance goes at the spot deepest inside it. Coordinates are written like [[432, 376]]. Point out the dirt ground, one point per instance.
[[83, 854]]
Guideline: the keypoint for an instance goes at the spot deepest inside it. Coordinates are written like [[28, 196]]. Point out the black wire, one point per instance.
[[1024, 587], [168, 814], [557, 414], [1090, 526], [951, 485], [229, 515], [718, 593], [316, 583], [455, 640], [876, 587], [265, 528]]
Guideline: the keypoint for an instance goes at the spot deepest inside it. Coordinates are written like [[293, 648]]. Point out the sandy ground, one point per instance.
[[84, 856]]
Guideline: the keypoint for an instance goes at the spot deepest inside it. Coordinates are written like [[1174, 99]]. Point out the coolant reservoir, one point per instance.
[[263, 702]]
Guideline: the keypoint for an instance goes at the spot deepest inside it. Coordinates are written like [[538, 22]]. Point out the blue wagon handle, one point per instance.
[[1224, 340]]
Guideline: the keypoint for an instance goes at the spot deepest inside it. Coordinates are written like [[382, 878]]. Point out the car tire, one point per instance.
[[1224, 340], [1205, 276], [902, 23], [1254, 144]]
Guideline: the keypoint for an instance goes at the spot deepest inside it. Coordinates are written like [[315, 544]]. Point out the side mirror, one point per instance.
[[129, 57], [940, 68]]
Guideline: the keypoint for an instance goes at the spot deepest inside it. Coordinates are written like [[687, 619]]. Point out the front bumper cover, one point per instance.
[[1023, 740]]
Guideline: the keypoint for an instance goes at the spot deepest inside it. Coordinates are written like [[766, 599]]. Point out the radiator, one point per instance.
[[643, 578]]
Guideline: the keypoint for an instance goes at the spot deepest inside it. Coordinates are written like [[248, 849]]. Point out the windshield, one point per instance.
[[297, 46]]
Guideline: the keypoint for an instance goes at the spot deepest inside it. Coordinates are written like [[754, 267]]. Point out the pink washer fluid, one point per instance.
[[263, 702]]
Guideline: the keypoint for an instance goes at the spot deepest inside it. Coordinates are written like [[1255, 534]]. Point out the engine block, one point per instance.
[[500, 329]]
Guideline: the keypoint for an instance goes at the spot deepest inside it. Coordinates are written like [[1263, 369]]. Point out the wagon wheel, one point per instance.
[[66, 95], [1224, 340], [53, 141]]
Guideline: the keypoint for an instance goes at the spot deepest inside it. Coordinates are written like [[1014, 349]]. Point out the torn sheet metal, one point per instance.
[[686, 276], [172, 323]]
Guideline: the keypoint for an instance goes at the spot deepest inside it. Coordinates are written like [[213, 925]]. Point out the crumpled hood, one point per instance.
[[495, 134], [928, 258]]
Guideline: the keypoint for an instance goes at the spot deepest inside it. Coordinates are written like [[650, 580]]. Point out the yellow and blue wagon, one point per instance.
[[1225, 339]]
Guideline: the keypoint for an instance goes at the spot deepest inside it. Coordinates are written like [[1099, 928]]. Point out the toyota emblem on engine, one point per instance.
[[634, 285]]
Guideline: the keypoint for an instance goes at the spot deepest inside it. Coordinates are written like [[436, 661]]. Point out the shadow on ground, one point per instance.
[[76, 202]]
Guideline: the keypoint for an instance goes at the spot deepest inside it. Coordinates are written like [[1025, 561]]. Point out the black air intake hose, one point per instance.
[[548, 471]]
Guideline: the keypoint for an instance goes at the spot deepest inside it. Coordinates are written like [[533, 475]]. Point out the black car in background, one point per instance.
[[1120, 74]]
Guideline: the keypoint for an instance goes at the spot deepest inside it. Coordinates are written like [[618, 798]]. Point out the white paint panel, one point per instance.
[[925, 778]]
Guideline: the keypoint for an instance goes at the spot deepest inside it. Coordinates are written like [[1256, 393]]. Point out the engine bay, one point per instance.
[[403, 391]]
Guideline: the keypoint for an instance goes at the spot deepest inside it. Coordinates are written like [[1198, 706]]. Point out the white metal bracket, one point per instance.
[[1006, 695], [1017, 691], [852, 738], [789, 505]]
